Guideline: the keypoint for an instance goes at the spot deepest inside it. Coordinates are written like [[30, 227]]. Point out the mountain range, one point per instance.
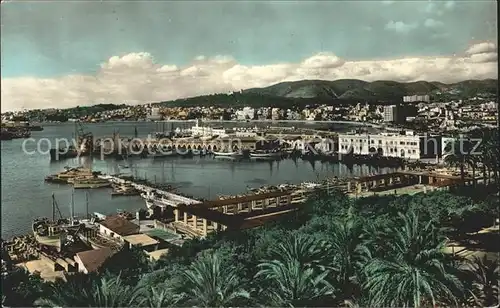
[[378, 90]]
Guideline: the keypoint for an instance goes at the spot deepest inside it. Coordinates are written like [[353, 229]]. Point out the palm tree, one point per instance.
[[212, 284], [456, 157], [158, 297], [295, 272], [486, 279], [414, 271], [294, 284], [350, 250], [107, 292]]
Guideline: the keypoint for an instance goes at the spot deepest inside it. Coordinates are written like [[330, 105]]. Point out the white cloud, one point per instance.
[[431, 23], [400, 27], [387, 2], [449, 5], [136, 78], [483, 47]]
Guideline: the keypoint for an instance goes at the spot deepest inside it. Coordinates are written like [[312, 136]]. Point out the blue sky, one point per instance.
[[48, 39]]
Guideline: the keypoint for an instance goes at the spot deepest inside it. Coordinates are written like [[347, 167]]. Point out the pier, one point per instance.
[[166, 197]]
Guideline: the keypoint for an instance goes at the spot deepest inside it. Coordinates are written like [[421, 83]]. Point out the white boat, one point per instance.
[[259, 154], [230, 154]]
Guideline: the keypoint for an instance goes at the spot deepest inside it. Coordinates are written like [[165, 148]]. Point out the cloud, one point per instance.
[[387, 2], [449, 5], [483, 47], [400, 27], [136, 77], [431, 23]]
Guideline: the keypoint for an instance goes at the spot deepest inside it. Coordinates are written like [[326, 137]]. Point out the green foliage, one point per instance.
[[376, 251]]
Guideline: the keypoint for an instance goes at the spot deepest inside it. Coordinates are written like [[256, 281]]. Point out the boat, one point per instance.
[[53, 232], [153, 200], [90, 183], [124, 166], [265, 154], [229, 154], [124, 190], [160, 154]]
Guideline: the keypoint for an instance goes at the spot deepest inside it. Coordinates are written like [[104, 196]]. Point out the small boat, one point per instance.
[[90, 183], [265, 154], [124, 166], [228, 154]]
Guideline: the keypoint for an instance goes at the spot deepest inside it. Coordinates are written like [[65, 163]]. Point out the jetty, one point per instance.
[[163, 196]]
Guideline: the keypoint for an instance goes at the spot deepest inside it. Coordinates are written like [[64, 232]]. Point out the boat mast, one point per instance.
[[53, 207], [87, 203], [72, 207]]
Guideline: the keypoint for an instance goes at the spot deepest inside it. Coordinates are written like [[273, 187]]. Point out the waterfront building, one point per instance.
[[407, 145], [91, 260], [117, 227], [155, 114], [200, 130], [143, 241]]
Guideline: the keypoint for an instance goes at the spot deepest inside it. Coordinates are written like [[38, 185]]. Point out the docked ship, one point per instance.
[[68, 175], [53, 232], [90, 183]]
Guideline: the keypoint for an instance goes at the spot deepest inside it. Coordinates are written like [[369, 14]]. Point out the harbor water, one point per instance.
[[25, 195]]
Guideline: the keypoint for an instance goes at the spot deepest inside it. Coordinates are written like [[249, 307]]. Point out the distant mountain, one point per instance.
[[361, 90]]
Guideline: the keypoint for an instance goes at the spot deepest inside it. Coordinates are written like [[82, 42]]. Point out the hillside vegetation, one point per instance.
[[343, 91]]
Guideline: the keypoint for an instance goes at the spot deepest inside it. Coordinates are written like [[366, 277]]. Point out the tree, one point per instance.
[[210, 283], [295, 274], [414, 270], [20, 288], [106, 292], [485, 282]]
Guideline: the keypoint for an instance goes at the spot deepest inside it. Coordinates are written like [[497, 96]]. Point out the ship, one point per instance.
[[63, 153], [54, 232]]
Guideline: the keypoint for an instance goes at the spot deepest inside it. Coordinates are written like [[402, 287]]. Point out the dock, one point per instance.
[[166, 197]]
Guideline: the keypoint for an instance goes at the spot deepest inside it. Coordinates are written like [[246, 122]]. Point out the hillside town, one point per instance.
[[413, 110]]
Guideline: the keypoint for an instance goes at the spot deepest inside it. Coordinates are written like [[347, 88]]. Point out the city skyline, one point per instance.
[[83, 53]]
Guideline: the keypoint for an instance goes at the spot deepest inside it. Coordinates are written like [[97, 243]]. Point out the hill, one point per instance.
[[377, 90]]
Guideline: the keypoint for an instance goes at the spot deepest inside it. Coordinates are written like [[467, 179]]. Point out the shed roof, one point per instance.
[[93, 259], [140, 239], [120, 225]]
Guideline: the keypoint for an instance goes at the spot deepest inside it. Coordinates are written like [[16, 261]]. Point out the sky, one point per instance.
[[62, 54]]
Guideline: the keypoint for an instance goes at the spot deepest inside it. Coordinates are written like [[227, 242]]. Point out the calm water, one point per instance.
[[25, 195]]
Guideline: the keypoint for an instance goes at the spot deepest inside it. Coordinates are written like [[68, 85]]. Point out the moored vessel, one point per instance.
[[229, 154], [90, 183], [265, 154]]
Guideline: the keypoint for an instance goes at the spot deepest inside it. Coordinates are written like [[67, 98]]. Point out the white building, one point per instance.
[[416, 98], [154, 114], [247, 113], [405, 145], [207, 131]]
